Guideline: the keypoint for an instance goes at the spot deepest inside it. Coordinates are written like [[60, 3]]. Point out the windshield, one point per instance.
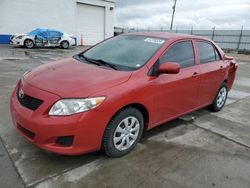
[[127, 52], [34, 32]]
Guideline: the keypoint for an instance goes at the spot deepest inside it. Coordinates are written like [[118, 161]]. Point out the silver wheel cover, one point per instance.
[[65, 44], [126, 133], [29, 43], [221, 98]]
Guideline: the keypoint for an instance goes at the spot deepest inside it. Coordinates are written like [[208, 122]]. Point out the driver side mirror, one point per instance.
[[169, 68]]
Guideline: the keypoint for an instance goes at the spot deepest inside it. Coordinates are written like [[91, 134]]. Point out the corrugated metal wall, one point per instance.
[[226, 39]]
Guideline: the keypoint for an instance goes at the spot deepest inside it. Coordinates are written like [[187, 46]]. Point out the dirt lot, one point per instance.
[[211, 151]]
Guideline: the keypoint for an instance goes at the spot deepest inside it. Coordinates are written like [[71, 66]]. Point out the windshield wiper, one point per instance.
[[88, 59], [99, 62], [102, 62]]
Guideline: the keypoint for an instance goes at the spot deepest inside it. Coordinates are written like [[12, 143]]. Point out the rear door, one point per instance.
[[212, 70], [54, 37], [177, 93]]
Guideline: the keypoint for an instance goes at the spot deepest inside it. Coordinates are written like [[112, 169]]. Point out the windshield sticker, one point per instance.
[[155, 41]]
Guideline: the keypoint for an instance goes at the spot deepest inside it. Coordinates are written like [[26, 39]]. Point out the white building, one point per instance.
[[93, 19]]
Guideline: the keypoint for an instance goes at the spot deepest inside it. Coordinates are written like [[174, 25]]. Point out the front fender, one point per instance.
[[133, 91], [25, 38]]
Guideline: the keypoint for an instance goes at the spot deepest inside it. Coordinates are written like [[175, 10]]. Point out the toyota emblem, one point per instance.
[[21, 94]]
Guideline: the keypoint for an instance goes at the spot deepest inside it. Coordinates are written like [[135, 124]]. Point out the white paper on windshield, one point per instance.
[[155, 41]]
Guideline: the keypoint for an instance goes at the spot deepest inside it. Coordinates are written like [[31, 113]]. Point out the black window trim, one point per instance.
[[215, 50]]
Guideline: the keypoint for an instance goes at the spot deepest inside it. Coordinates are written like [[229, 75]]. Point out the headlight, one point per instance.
[[66, 107], [19, 37]]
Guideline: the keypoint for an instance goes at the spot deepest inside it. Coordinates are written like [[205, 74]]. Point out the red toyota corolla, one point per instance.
[[106, 96]]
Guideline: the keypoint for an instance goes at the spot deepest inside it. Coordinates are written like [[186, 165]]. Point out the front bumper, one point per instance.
[[44, 131], [16, 42]]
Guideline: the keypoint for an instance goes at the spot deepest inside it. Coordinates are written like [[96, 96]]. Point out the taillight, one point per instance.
[[235, 66]]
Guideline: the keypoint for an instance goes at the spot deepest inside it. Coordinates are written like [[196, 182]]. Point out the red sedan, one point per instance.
[[107, 96]]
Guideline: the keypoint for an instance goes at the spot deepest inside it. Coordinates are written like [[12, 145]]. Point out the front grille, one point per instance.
[[29, 102]]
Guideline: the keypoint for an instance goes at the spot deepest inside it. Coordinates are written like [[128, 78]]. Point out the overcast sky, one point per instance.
[[201, 14]]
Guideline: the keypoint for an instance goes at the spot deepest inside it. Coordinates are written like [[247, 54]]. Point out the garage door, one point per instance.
[[90, 23]]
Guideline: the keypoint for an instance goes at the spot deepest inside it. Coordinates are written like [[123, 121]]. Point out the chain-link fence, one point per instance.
[[227, 39]]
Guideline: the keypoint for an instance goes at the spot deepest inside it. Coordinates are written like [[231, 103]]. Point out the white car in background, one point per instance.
[[44, 38]]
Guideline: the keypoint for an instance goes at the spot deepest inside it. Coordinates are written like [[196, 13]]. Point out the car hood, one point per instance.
[[69, 78], [17, 35]]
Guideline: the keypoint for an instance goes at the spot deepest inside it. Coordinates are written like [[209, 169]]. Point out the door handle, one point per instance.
[[195, 75]]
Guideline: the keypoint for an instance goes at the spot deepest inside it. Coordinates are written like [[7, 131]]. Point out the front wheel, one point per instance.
[[28, 43], [123, 132], [220, 99]]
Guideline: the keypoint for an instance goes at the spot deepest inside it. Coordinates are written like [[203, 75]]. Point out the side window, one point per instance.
[[182, 53], [207, 52], [217, 56], [54, 34]]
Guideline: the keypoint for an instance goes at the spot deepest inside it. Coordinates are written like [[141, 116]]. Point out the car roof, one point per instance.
[[45, 30], [167, 35]]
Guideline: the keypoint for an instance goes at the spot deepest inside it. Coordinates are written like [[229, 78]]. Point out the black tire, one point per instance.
[[28, 43], [64, 44], [216, 106], [108, 145]]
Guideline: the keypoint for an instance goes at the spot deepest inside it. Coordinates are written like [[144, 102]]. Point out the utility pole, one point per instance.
[[213, 32], [238, 46], [172, 20]]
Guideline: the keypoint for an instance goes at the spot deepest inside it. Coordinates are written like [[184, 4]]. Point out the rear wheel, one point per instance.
[[123, 132], [220, 99], [64, 44], [28, 43]]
